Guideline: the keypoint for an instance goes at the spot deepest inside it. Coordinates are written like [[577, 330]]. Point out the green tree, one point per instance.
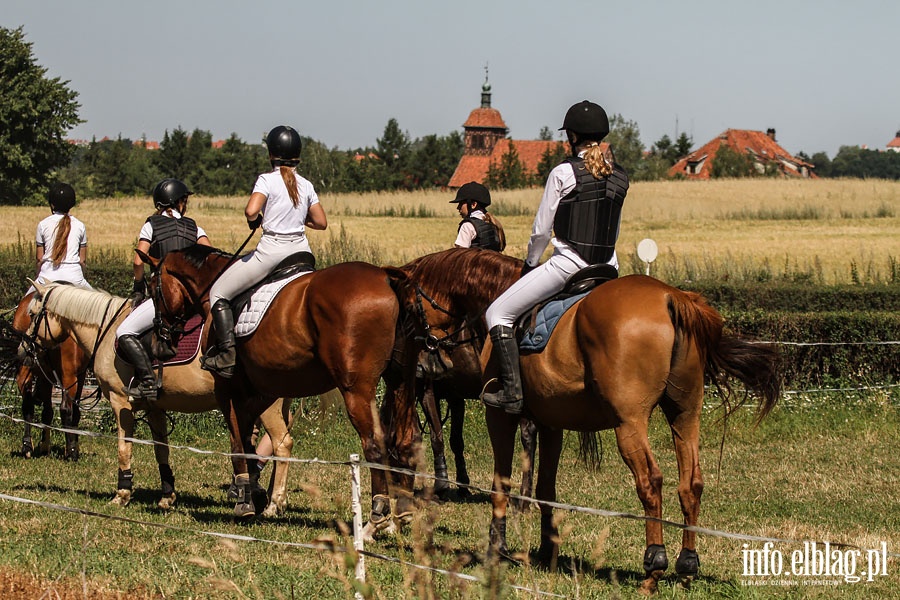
[[546, 134], [509, 174], [683, 146], [433, 160], [625, 140], [36, 112], [393, 148], [172, 157], [732, 163], [551, 157]]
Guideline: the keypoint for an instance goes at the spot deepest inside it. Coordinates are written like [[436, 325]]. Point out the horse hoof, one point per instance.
[[463, 492], [271, 511], [72, 455], [122, 498], [260, 500], [27, 449], [244, 511], [167, 502], [688, 563], [649, 586]]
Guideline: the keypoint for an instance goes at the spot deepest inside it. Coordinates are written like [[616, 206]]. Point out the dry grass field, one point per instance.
[[825, 231]]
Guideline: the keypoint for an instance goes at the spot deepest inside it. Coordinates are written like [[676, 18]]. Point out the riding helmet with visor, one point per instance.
[[284, 145], [586, 118], [168, 192], [61, 197], [473, 192]]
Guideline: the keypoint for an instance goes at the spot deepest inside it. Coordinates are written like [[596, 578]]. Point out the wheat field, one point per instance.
[[824, 231]]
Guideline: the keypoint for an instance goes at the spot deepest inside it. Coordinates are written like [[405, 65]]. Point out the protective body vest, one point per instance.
[[588, 217], [171, 234], [485, 234]]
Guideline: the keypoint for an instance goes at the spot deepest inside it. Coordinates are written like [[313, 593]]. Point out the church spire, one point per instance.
[[486, 90]]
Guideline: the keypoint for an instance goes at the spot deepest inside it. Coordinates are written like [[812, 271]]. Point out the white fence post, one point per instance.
[[356, 506]]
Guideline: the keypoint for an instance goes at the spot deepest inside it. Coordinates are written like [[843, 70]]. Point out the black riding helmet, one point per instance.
[[473, 192], [284, 145], [168, 192], [586, 118], [61, 197]]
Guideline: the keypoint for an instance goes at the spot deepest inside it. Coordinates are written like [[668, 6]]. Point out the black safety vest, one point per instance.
[[588, 217], [485, 234], [171, 234]]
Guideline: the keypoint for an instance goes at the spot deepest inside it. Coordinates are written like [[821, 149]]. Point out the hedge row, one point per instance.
[[862, 318], [799, 298]]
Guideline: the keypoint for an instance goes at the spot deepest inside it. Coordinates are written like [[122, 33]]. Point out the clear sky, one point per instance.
[[822, 73]]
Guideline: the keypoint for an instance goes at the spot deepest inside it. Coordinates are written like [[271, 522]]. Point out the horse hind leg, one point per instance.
[[431, 408], [26, 383], [685, 425], [457, 408], [275, 419], [44, 392], [634, 446]]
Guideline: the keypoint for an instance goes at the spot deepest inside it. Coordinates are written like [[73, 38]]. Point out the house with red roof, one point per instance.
[[894, 144], [760, 146], [486, 142]]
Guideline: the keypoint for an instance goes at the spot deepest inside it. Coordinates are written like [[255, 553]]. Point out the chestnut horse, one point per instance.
[[331, 328], [630, 345], [64, 367], [64, 312]]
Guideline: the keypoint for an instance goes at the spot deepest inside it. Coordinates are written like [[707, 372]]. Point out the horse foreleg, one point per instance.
[[634, 447], [26, 383], [125, 421], [685, 427], [276, 420], [457, 408], [551, 441], [528, 431], [72, 373], [239, 429], [502, 430], [157, 421], [433, 417], [44, 392]]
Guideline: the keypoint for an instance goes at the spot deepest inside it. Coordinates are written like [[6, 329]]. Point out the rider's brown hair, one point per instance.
[[288, 175], [61, 240]]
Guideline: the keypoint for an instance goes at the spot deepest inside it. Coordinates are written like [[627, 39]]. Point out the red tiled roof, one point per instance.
[[475, 168], [894, 143], [758, 143], [485, 117]]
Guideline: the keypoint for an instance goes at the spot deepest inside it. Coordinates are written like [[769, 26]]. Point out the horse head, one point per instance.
[[45, 330], [179, 283]]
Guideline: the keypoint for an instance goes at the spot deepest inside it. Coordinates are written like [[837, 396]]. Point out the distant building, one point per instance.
[[761, 147], [486, 143], [894, 144]]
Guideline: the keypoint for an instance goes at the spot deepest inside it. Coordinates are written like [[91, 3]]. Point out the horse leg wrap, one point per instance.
[[381, 511], [441, 476], [688, 563], [167, 478], [497, 544], [27, 446], [243, 507], [655, 558], [125, 478]]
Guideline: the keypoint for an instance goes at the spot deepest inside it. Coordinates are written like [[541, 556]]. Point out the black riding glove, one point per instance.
[[255, 223], [138, 292], [526, 268]]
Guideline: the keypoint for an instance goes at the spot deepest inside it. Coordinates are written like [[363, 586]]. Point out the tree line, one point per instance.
[[37, 112]]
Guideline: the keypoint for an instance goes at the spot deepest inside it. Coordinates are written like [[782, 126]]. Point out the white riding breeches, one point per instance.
[[253, 268], [539, 284]]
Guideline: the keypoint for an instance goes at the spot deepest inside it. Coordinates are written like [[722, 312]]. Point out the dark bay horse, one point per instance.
[[65, 367], [331, 328], [630, 345]]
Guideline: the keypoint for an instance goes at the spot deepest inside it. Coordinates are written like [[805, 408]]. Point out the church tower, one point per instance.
[[484, 127]]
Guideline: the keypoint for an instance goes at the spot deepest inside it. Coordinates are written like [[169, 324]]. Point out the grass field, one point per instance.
[[821, 231], [820, 468]]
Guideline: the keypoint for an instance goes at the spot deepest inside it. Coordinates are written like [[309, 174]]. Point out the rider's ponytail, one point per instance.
[[288, 175], [61, 240]]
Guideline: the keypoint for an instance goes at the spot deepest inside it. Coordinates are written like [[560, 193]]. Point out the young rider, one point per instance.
[[580, 210], [61, 241], [166, 230], [478, 228], [284, 204]]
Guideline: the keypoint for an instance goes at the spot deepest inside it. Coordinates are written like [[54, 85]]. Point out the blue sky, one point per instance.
[[823, 74]]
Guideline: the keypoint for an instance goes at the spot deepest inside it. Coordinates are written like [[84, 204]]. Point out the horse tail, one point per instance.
[[728, 357]]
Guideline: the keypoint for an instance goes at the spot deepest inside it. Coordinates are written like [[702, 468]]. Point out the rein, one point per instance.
[[432, 342]]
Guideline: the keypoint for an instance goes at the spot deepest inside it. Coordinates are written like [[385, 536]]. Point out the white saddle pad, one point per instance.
[[249, 318]]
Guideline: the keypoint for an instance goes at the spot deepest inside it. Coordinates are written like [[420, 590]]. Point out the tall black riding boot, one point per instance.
[[506, 351], [144, 384], [220, 358]]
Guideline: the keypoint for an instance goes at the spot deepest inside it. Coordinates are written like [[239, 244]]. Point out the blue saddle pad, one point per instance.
[[548, 316]]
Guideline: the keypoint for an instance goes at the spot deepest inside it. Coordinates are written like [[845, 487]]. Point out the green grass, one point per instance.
[[821, 467]]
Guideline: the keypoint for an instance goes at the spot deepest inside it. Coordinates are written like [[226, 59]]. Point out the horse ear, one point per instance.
[[149, 260], [40, 287]]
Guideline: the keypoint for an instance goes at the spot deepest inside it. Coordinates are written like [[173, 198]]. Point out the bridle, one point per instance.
[[451, 339]]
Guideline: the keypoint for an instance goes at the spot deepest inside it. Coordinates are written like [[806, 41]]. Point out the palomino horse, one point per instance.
[[91, 318], [64, 367], [630, 345], [331, 328]]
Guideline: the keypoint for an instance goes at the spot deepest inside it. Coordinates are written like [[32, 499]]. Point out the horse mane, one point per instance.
[[81, 305], [196, 254], [469, 279]]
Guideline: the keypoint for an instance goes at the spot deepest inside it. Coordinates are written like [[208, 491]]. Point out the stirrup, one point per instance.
[[499, 400], [208, 363], [142, 391]]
